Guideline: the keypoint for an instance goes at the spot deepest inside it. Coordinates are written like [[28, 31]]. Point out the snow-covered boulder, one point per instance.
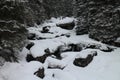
[[53, 63], [84, 61], [66, 23], [41, 58], [101, 47], [68, 26]]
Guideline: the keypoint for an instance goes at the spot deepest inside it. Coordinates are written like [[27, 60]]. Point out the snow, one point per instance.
[[105, 66], [65, 75], [20, 71], [41, 45], [52, 44], [52, 62], [62, 20]]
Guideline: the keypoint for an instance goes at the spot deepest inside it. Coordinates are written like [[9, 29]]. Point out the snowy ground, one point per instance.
[[105, 66]]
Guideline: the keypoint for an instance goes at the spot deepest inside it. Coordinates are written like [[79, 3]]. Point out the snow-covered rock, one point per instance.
[[20, 71], [85, 58], [75, 52]]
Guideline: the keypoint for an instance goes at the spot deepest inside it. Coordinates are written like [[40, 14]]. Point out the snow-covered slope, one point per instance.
[[104, 66]]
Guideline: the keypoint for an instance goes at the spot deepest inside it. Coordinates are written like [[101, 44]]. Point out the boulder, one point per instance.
[[29, 45], [45, 29], [41, 59], [66, 48], [83, 62], [75, 47], [107, 49], [68, 26], [53, 63], [29, 58], [103, 48], [40, 73]]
